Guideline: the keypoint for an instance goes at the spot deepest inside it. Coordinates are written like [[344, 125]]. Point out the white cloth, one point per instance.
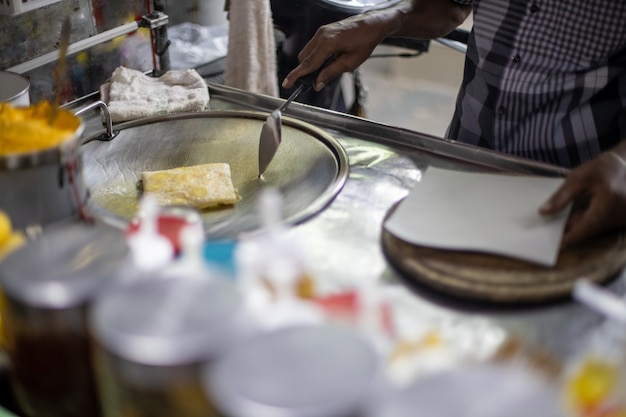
[[131, 94], [251, 58]]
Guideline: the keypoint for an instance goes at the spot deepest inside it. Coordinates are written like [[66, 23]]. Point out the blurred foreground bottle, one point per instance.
[[47, 286], [153, 336]]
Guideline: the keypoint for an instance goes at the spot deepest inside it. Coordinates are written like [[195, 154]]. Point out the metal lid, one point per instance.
[[12, 86], [479, 390], [166, 321], [312, 371], [70, 263]]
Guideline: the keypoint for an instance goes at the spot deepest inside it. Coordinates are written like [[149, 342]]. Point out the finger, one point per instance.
[[588, 223], [573, 218], [327, 70], [300, 71], [320, 38], [308, 64], [566, 194], [303, 68], [311, 57], [330, 69]]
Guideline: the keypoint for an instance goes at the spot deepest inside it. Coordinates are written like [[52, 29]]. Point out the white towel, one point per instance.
[[251, 58], [131, 94]]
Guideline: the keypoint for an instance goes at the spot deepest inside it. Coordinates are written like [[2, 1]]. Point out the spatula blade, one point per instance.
[[269, 140]]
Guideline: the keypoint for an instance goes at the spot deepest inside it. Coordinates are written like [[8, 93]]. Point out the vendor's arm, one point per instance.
[[352, 40], [598, 191]]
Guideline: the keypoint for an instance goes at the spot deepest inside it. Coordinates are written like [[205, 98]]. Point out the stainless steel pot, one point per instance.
[[42, 187], [14, 89]]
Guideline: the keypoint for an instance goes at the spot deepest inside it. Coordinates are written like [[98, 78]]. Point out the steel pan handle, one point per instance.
[[110, 134]]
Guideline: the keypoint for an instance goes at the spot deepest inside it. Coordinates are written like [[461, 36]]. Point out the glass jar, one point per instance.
[[154, 336], [47, 286], [303, 371]]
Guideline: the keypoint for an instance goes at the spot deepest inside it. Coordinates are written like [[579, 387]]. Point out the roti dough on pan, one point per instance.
[[199, 186]]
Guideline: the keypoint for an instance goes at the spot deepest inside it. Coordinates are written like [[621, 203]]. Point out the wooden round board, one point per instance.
[[484, 277]]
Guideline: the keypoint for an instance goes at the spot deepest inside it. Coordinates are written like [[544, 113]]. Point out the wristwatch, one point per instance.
[[464, 2]]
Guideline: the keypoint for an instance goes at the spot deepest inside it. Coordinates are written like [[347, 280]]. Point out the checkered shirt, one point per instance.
[[544, 79]]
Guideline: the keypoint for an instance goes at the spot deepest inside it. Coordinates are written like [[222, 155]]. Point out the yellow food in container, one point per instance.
[[28, 129], [40, 164]]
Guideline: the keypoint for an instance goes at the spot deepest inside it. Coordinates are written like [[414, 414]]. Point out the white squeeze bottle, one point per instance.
[[150, 250]]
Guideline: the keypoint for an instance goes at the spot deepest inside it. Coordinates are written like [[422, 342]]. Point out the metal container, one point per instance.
[[154, 336], [14, 89], [43, 187], [47, 286], [308, 371]]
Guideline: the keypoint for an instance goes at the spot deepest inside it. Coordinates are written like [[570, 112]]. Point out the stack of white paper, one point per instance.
[[490, 213]]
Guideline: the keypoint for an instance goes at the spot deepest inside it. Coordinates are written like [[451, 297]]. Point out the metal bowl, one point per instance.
[[14, 89], [309, 168]]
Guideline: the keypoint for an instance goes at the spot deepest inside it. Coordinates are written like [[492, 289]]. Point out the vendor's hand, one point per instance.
[[597, 190], [350, 42]]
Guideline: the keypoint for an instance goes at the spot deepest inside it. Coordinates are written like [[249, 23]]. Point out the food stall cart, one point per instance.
[[337, 212], [344, 236], [482, 308]]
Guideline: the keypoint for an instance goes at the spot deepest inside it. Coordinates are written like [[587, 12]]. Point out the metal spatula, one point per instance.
[[271, 133]]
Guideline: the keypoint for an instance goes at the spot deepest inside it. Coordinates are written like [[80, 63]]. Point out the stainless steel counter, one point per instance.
[[343, 241]]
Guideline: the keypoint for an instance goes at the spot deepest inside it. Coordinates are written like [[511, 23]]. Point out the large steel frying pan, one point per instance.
[[309, 168]]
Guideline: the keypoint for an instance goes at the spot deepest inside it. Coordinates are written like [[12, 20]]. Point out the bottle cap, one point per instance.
[[171, 321], [68, 265]]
